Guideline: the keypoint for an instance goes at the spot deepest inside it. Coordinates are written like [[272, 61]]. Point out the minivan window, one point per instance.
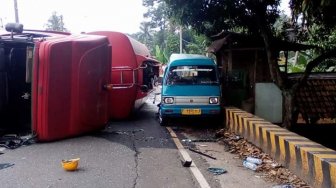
[[188, 75]]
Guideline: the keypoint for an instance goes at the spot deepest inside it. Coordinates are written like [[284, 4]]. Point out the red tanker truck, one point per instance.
[[58, 85], [133, 74]]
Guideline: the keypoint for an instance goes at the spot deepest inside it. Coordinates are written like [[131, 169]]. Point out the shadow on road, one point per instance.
[[141, 130]]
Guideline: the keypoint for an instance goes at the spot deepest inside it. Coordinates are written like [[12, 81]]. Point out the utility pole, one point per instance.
[[16, 12], [181, 40]]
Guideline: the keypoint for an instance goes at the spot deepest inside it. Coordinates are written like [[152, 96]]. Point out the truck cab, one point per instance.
[[190, 88], [53, 84]]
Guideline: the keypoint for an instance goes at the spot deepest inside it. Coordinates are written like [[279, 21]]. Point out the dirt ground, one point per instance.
[[230, 150]]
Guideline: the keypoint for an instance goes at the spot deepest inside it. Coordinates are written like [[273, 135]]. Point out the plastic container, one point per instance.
[[186, 140], [254, 160], [250, 165]]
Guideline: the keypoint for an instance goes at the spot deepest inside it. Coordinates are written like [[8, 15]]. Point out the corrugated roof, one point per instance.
[[317, 97]]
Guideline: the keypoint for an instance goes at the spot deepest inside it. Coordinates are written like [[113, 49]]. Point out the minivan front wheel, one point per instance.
[[162, 120]]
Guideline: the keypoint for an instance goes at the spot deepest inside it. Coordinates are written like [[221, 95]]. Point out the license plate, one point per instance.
[[193, 111]]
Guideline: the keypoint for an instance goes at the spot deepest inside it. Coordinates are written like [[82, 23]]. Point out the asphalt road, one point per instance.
[[133, 153], [137, 153]]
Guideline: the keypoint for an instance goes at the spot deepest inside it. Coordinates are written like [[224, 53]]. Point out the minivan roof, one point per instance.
[[190, 59]]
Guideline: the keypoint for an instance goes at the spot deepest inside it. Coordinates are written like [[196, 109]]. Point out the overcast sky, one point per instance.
[[79, 15]]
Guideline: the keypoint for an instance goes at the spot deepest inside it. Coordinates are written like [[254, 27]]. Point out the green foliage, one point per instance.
[[317, 20], [323, 37], [280, 26], [157, 12], [297, 62], [197, 44], [160, 33], [329, 65], [298, 65], [314, 20], [145, 35], [161, 55], [172, 43], [55, 23], [308, 12], [211, 17]]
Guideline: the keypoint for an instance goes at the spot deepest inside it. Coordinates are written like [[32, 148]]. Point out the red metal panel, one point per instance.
[[123, 57], [35, 86], [128, 56], [70, 96]]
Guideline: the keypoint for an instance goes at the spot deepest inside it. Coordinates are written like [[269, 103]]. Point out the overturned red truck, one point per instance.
[[59, 85], [134, 73]]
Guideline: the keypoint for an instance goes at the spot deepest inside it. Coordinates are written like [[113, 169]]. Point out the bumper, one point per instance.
[[176, 111]]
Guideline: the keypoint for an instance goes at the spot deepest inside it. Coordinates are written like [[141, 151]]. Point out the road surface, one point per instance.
[[134, 153]]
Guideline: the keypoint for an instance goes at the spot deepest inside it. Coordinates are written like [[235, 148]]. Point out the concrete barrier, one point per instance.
[[309, 160]]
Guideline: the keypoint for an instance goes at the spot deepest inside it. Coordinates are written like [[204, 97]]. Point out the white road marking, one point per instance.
[[186, 157]]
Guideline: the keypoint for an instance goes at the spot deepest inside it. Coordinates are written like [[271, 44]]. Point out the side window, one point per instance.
[[171, 76]]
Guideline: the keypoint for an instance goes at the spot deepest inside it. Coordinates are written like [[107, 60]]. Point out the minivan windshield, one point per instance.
[[189, 75]]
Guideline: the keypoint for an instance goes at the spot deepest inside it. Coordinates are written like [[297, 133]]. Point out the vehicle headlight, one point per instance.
[[213, 100], [168, 100]]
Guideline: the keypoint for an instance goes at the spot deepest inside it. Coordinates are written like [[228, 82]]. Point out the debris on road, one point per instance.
[[124, 132], [186, 140], [272, 170], [254, 160], [15, 141], [137, 130], [204, 140], [250, 165], [71, 164], [202, 154], [5, 165], [186, 163], [217, 171], [283, 186]]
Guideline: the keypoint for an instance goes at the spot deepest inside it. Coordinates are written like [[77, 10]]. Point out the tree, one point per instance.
[[258, 18], [161, 33], [55, 23], [145, 35], [195, 43], [161, 55]]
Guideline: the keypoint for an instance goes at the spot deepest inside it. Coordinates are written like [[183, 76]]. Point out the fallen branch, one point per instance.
[[202, 154]]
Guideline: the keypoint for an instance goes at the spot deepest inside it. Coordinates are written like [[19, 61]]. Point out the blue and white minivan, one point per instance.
[[190, 88]]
